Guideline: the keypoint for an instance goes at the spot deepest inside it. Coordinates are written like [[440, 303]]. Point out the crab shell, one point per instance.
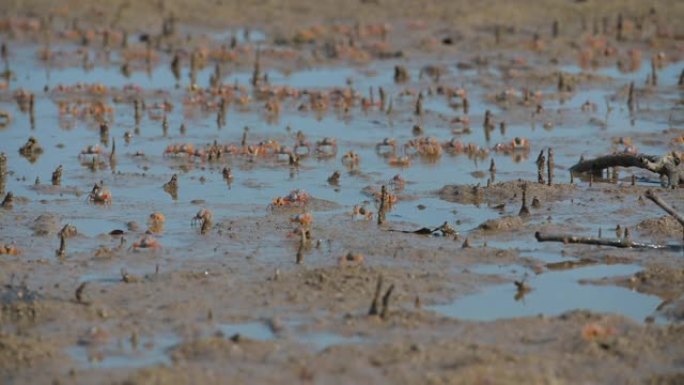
[[93, 149], [9, 249], [362, 211], [146, 242], [520, 144], [351, 260], [402, 161], [101, 196], [203, 215], [350, 158], [279, 201], [304, 219], [157, 217]]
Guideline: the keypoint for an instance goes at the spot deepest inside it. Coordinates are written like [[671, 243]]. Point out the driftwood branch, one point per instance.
[[662, 165], [663, 205], [622, 243]]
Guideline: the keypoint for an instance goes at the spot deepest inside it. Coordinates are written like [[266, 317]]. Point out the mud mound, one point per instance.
[[664, 226], [507, 223]]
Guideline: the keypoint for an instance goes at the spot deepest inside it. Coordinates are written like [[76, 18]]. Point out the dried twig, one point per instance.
[[665, 206], [621, 243]]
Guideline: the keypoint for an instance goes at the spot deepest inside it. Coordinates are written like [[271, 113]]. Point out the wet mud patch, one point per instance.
[[505, 193]]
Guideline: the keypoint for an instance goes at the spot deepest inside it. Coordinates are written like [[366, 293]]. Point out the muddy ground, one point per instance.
[[259, 265]]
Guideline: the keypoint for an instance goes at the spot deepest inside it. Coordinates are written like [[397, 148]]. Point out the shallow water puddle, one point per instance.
[[552, 293], [323, 340], [124, 353], [252, 330], [318, 340]]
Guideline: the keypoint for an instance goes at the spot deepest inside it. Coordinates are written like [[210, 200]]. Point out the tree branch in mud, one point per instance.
[[622, 243], [662, 165], [665, 206]]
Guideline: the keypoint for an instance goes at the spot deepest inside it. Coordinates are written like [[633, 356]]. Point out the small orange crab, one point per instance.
[[630, 149], [202, 216], [100, 194], [351, 260], [302, 148], [520, 144], [9, 249], [390, 199], [228, 174], [589, 107], [400, 161], [156, 222], [386, 146], [5, 117], [454, 146], [397, 182], [517, 144], [326, 147], [304, 219], [146, 242], [269, 146], [362, 212], [180, 149], [350, 159], [462, 120], [593, 331], [279, 202], [429, 147], [94, 149], [293, 198]]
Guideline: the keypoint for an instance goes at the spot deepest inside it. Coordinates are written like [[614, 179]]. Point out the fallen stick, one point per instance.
[[566, 238], [662, 165], [663, 205]]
